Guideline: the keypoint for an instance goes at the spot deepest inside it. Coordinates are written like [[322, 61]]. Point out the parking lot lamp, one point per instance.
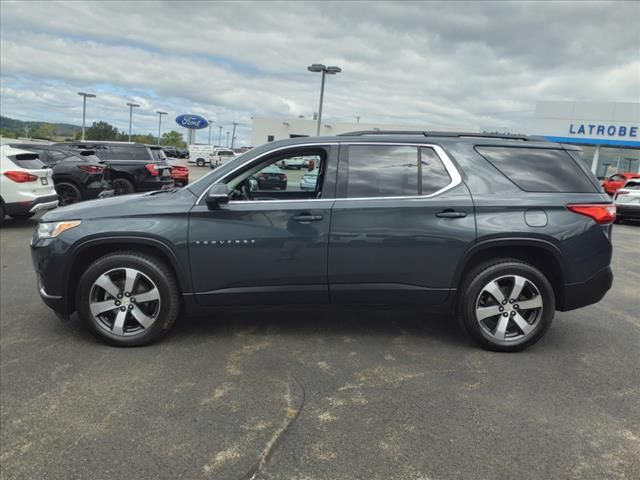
[[131, 107], [210, 131], [84, 108], [220, 136], [233, 135], [228, 138], [159, 123], [332, 70]]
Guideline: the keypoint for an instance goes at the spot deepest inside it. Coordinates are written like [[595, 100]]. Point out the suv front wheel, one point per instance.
[[506, 305], [128, 298]]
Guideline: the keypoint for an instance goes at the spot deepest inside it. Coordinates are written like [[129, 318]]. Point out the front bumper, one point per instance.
[[577, 295], [49, 262], [46, 202]]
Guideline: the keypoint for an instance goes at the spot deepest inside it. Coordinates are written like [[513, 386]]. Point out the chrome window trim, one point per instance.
[[456, 178]]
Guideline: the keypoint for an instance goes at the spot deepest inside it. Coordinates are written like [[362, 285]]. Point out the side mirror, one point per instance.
[[217, 195]]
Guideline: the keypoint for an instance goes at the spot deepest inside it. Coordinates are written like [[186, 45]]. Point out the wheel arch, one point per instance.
[[87, 252], [542, 254]]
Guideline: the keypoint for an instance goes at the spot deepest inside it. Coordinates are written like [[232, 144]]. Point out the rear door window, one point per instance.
[[394, 171], [538, 169], [126, 152]]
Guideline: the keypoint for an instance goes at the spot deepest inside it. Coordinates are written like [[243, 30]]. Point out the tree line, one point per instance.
[[105, 131], [97, 131]]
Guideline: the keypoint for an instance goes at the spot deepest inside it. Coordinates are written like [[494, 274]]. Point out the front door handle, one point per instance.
[[305, 217], [451, 214]]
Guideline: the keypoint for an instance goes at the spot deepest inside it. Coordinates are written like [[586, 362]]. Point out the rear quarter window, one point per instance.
[[538, 169]]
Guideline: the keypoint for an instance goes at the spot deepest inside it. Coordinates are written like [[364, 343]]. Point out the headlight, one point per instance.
[[53, 229]]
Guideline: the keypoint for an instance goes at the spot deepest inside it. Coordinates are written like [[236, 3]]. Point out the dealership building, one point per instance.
[[607, 132]]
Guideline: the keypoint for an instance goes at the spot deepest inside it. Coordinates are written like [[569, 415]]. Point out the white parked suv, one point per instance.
[[26, 185], [627, 200]]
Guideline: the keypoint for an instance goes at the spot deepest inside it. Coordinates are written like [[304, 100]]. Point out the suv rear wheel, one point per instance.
[[200, 162], [506, 305], [68, 193], [128, 298], [122, 186]]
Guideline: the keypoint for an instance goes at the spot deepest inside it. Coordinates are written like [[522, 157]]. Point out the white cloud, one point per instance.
[[448, 64]]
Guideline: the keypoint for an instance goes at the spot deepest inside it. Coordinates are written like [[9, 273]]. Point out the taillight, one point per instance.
[[91, 168], [602, 213], [20, 177], [153, 169]]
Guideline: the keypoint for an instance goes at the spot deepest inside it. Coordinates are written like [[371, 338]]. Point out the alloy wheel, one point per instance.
[[508, 309], [67, 194], [124, 301]]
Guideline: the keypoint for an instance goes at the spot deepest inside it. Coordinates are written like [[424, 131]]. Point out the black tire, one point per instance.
[[167, 309], [200, 162], [68, 193], [122, 186], [471, 296]]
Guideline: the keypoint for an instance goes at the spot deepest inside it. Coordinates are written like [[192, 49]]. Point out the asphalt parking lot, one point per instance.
[[318, 395]]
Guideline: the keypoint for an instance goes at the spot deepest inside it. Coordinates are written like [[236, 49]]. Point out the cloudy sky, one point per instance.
[[437, 65]]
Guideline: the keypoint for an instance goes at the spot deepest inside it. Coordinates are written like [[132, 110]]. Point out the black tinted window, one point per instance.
[[382, 171], [125, 152], [29, 161], [158, 155], [539, 170], [434, 175]]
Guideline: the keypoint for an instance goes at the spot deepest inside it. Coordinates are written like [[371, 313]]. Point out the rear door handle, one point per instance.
[[451, 214], [305, 217]]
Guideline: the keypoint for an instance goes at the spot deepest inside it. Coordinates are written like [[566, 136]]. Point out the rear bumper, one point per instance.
[[155, 184], [46, 202], [577, 295]]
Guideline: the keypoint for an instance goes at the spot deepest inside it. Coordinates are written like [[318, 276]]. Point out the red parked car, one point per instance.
[[179, 173], [615, 182]]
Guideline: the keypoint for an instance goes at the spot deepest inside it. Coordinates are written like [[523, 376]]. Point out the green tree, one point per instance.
[[101, 131], [174, 139], [45, 130], [4, 132]]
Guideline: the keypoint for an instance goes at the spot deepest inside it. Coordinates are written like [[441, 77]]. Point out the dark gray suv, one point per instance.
[[498, 231]]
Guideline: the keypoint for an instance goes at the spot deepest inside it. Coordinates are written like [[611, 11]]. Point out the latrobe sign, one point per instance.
[[603, 130]]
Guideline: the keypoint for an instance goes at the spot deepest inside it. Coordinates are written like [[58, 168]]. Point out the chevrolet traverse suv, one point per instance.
[[499, 232]]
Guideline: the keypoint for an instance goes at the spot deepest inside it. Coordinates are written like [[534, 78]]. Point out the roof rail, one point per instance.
[[360, 133], [443, 134]]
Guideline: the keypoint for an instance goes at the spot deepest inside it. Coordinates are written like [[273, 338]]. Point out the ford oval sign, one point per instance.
[[192, 121]]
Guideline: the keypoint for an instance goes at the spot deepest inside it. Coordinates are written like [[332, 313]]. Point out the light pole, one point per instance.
[[220, 136], [228, 138], [159, 123], [84, 108], [233, 135], [210, 131], [131, 107], [318, 67]]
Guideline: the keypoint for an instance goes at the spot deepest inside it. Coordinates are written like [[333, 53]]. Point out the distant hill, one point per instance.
[[13, 127]]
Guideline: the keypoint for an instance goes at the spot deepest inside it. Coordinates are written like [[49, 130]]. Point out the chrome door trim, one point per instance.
[[456, 178]]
